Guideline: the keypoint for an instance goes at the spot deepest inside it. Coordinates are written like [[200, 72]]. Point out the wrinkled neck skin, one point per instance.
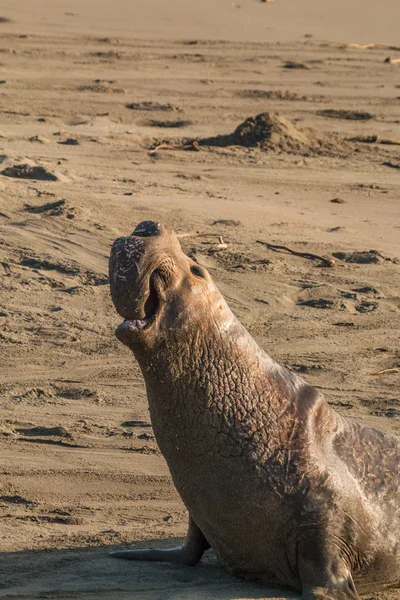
[[210, 386]]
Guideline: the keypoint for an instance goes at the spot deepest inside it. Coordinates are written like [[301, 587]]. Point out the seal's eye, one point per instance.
[[195, 270]]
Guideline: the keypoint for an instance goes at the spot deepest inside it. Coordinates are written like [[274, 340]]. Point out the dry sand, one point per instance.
[[81, 472]]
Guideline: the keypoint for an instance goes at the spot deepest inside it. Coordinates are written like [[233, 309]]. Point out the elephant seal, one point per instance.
[[284, 489]]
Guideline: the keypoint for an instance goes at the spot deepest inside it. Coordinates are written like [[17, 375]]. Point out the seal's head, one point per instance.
[[158, 290]]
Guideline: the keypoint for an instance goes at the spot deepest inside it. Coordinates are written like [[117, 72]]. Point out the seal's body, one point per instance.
[[284, 489]]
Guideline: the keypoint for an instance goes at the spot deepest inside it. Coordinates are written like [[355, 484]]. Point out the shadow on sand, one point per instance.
[[91, 574]]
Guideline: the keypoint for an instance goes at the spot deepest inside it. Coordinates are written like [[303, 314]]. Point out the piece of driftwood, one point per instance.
[[392, 61], [329, 262], [6, 268], [217, 248], [199, 234], [394, 370], [371, 46], [192, 146], [374, 139]]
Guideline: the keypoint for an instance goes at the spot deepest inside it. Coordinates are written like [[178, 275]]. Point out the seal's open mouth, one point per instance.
[[142, 267], [151, 307]]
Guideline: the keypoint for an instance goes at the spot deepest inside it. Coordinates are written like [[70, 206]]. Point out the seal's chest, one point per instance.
[[248, 535]]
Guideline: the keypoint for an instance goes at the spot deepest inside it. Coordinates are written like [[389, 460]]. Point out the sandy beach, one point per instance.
[[112, 113]]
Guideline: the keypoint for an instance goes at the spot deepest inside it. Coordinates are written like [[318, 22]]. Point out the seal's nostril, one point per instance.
[[147, 229]]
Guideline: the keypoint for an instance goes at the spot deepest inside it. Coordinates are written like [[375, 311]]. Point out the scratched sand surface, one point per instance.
[[80, 469]]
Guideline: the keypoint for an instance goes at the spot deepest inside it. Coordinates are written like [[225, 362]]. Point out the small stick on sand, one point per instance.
[[395, 370], [165, 147], [220, 246], [373, 139], [392, 61], [371, 46], [194, 146], [6, 268], [217, 248], [389, 142], [199, 234], [329, 262]]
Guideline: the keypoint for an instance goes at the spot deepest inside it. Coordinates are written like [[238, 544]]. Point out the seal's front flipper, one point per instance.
[[189, 554]]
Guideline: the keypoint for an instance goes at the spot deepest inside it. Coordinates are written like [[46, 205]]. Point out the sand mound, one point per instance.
[[26, 168], [271, 131], [25, 171]]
